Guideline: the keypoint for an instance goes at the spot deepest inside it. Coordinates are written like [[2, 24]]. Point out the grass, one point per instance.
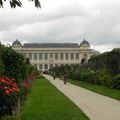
[[45, 102], [113, 93]]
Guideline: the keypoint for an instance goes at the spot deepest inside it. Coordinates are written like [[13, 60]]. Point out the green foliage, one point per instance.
[[115, 82], [8, 118], [27, 61], [14, 64], [18, 3], [1, 62], [113, 61], [103, 77], [101, 69], [36, 71], [108, 60]]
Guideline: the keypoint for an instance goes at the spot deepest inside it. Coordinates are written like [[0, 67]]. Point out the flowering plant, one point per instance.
[[9, 86], [8, 95]]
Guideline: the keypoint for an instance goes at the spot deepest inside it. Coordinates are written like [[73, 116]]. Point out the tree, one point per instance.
[[14, 3], [27, 61], [1, 62]]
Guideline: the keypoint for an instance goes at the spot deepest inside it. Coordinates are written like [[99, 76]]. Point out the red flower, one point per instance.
[[3, 81], [15, 85], [7, 92], [17, 90], [11, 90], [5, 87]]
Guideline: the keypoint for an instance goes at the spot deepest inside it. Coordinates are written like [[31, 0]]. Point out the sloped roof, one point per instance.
[[50, 45]]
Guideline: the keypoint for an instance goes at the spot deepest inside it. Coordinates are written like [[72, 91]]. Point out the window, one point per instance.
[[66, 56], [72, 56], [30, 56], [40, 56], [35, 56], [51, 65], [56, 65], [40, 66], [56, 55], [46, 66], [77, 56], [46, 56], [61, 56], [51, 55]]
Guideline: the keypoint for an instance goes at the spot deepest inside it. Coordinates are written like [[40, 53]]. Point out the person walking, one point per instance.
[[65, 78], [54, 75]]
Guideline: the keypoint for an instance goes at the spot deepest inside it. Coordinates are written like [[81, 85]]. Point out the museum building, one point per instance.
[[48, 55]]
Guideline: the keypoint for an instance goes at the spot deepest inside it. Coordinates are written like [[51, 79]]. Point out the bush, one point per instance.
[[14, 64], [75, 75], [8, 118], [104, 77], [84, 74], [13, 90], [9, 92], [1, 62], [115, 82]]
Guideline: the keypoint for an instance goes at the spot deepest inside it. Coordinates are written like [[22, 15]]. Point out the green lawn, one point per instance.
[[113, 93], [45, 102]]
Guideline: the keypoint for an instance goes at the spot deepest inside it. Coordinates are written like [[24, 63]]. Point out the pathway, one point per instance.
[[95, 106]]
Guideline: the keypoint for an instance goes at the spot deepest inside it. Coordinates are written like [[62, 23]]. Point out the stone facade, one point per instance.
[[47, 55]]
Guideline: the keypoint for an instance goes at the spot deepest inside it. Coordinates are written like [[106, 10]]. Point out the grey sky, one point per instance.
[[63, 21]]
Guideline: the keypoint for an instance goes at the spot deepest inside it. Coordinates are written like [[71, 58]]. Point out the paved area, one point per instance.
[[95, 106]]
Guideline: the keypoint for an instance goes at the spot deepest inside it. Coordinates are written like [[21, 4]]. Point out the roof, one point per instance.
[[16, 42], [50, 45], [84, 42]]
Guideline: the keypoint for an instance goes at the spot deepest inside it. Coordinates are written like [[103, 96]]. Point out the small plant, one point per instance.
[[8, 118]]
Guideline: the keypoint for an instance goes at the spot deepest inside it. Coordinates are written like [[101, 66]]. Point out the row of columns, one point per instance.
[[37, 55]]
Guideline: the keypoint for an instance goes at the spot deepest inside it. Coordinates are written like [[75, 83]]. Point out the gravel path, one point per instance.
[[95, 106]]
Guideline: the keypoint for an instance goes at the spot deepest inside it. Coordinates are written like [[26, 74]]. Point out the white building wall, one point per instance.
[[54, 61]]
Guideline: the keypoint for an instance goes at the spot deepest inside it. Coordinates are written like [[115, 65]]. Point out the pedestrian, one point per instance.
[[54, 75], [65, 78]]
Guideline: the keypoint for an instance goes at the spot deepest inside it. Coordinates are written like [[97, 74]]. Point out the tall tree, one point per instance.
[[14, 3]]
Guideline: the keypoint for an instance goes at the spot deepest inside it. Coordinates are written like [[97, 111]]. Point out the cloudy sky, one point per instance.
[[63, 21]]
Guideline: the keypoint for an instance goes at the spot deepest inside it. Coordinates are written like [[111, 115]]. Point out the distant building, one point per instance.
[[48, 55]]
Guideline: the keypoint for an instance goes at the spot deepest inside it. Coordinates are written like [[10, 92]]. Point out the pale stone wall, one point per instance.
[[52, 61]]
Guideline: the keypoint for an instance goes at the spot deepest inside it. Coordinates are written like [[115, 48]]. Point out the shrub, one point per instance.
[[8, 118], [103, 77], [14, 64], [9, 94], [13, 90], [115, 82], [1, 62]]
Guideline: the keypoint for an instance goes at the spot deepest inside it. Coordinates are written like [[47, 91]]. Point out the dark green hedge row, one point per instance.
[[100, 77], [103, 69], [108, 60]]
